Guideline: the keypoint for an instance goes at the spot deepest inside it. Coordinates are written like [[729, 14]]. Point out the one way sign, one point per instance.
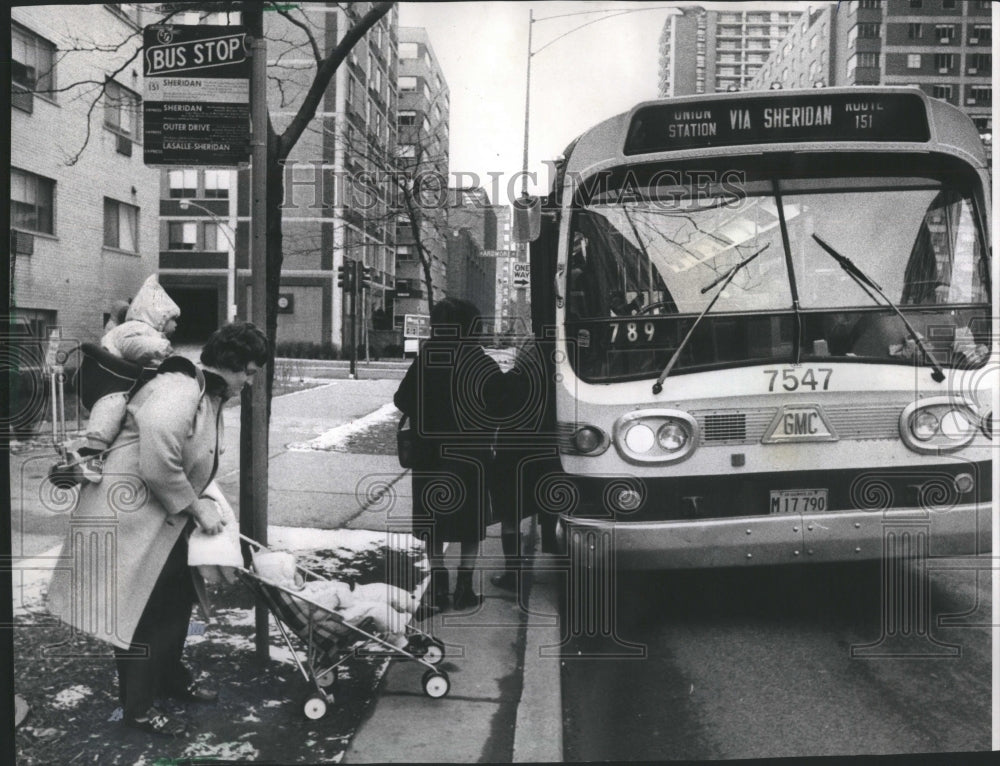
[[522, 275]]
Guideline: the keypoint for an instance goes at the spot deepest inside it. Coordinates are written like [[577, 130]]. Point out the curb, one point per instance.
[[538, 731]]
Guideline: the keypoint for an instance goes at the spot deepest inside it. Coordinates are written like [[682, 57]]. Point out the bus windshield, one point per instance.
[[645, 263]]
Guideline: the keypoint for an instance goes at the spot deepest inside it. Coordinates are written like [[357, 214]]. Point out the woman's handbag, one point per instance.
[[406, 443]]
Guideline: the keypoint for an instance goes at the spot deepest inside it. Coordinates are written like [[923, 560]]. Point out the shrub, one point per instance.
[[297, 349]]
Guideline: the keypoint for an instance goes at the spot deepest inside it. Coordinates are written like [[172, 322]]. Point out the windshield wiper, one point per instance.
[[725, 279], [863, 279]]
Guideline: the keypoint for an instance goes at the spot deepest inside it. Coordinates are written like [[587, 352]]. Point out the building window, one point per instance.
[[405, 253], [32, 66], [128, 12], [409, 50], [216, 237], [948, 5], [406, 118], [979, 95], [183, 183], [916, 3], [868, 60], [914, 31], [407, 84], [944, 33], [941, 91], [869, 31], [870, 4], [982, 34], [943, 62], [913, 61], [32, 202], [182, 235], [121, 110], [980, 63], [121, 225], [217, 184]]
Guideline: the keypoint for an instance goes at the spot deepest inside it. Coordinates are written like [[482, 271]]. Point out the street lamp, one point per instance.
[[231, 262], [609, 14]]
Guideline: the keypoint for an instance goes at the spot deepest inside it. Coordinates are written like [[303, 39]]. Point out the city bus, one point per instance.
[[769, 317]]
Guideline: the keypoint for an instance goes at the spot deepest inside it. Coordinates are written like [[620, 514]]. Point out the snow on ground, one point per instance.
[[31, 576], [299, 539], [336, 438]]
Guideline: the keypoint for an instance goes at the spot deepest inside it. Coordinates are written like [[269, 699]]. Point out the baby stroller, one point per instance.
[[330, 640]]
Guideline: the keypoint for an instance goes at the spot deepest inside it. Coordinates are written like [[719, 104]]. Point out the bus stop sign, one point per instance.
[[196, 109]]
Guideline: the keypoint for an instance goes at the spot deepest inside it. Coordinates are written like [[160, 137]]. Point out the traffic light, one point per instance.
[[345, 275], [366, 276]]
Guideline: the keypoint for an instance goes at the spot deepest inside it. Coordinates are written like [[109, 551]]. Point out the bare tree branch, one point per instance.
[[305, 28], [324, 73]]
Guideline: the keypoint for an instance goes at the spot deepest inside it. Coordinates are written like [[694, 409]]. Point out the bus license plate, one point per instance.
[[798, 500]]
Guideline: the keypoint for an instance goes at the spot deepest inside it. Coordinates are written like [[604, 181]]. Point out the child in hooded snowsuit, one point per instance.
[[142, 339]]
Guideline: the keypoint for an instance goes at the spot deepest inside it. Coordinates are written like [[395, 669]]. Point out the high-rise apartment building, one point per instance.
[[328, 217], [941, 46], [707, 51], [423, 120]]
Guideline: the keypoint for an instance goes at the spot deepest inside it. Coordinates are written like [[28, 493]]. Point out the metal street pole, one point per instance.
[[258, 250]]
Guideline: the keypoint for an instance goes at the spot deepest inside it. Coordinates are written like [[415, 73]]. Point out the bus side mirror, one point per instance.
[[527, 218]]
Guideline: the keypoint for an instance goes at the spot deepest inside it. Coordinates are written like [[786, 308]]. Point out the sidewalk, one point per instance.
[[504, 703]]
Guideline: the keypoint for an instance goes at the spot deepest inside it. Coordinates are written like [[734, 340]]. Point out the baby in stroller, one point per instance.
[[388, 607]]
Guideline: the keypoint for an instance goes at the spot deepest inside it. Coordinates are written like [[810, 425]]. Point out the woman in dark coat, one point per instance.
[[452, 394], [124, 577]]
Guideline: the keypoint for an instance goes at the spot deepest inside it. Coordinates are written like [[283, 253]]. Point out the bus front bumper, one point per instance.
[[842, 536]]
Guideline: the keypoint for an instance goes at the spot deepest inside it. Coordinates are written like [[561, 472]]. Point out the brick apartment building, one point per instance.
[[83, 206]]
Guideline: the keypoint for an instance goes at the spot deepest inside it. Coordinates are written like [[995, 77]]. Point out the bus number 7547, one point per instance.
[[792, 379]]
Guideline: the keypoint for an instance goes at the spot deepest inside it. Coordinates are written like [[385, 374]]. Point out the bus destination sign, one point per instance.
[[778, 119]]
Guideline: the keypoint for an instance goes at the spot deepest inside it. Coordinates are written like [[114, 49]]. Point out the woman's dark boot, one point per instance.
[[465, 597], [508, 578], [435, 598], [439, 584]]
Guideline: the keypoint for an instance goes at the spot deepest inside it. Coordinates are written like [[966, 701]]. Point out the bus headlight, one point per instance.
[[656, 436], [924, 425], [639, 438], [939, 424], [588, 439], [672, 436]]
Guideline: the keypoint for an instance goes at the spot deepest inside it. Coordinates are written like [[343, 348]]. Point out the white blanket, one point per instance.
[[217, 550]]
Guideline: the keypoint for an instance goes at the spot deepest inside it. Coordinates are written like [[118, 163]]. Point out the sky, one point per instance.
[[604, 68]]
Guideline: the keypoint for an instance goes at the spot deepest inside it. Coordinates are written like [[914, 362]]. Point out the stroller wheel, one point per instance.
[[416, 645], [326, 678], [314, 707], [436, 684], [433, 651]]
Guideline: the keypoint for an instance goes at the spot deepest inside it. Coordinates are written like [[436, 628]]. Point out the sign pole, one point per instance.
[[258, 228], [355, 277]]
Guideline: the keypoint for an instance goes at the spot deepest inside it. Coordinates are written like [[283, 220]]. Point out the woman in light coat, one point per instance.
[[123, 575]]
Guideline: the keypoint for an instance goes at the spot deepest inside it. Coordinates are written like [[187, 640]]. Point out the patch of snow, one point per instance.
[[222, 751], [299, 539], [273, 703], [336, 438], [71, 697], [30, 580]]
